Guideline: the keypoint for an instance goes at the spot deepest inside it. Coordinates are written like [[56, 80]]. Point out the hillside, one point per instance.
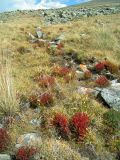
[[60, 84], [99, 3]]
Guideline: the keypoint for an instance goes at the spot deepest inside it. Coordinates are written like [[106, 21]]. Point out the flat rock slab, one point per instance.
[[5, 157], [111, 95]]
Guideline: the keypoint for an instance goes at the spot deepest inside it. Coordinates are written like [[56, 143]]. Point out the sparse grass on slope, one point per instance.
[[94, 37]]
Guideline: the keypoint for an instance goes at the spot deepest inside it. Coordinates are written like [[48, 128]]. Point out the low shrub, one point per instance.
[[113, 68], [25, 153], [63, 71], [46, 81], [80, 122], [45, 99], [62, 124], [102, 81], [4, 139], [99, 66]]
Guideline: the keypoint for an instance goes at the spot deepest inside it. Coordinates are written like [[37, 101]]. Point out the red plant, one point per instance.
[[25, 153], [87, 74], [61, 122], [102, 81], [80, 123], [45, 99], [99, 66], [62, 71], [46, 81], [4, 139], [60, 46]]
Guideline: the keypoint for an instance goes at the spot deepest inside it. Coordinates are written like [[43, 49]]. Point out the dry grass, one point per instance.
[[9, 104]]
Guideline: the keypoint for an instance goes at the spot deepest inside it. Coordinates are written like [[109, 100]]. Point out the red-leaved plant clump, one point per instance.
[[80, 122], [102, 81], [46, 81], [63, 71], [45, 99], [25, 153], [60, 46], [99, 66], [62, 124], [4, 139]]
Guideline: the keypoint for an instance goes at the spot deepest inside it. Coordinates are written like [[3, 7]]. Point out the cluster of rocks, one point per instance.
[[63, 15]]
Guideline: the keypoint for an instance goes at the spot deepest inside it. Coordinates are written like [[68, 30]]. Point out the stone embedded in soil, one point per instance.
[[1, 126], [39, 32], [35, 122], [84, 90], [111, 95], [31, 139], [79, 74]]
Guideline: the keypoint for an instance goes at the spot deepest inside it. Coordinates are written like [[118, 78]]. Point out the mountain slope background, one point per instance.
[[98, 3]]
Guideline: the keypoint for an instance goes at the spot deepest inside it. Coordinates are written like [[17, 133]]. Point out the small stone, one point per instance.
[[1, 126], [79, 74], [5, 157], [84, 90], [31, 139], [35, 122], [83, 67]]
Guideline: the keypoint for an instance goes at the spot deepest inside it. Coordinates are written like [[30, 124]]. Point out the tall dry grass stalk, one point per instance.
[[9, 104]]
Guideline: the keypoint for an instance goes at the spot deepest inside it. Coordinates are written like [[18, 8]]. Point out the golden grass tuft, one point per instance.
[[9, 104]]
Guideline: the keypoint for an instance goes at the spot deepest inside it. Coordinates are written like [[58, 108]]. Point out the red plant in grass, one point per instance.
[[61, 122], [80, 123], [102, 81], [4, 139], [62, 71], [99, 66], [45, 99], [46, 81], [25, 153], [60, 46]]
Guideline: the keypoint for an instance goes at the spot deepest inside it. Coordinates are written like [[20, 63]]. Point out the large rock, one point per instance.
[[111, 95], [31, 139], [5, 157]]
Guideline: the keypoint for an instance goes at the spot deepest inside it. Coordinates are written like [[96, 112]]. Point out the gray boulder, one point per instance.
[[111, 95]]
